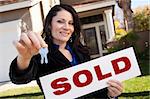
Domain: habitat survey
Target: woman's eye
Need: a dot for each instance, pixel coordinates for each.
(60, 21)
(71, 23)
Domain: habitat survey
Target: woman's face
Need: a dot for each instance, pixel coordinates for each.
(62, 27)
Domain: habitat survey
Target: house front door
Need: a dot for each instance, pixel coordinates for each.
(95, 38)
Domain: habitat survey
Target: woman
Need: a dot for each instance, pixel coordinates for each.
(61, 32)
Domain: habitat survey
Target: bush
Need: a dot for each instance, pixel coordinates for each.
(141, 19)
(125, 41)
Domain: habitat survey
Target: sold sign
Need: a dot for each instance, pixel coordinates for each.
(90, 76)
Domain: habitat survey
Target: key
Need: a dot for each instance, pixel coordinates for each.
(45, 55)
(43, 52)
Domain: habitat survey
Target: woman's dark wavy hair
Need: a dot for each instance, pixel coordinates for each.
(74, 41)
(76, 22)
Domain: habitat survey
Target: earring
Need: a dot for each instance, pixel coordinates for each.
(70, 40)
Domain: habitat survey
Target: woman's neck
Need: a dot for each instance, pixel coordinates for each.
(61, 45)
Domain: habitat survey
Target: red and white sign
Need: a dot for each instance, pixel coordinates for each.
(90, 76)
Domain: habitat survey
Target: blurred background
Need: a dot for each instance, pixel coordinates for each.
(108, 26)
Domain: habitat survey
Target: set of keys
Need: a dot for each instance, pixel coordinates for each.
(43, 52)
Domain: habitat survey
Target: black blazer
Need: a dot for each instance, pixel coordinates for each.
(57, 61)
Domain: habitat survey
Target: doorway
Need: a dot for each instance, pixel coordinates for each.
(95, 38)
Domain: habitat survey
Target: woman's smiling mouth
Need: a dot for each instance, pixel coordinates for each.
(65, 34)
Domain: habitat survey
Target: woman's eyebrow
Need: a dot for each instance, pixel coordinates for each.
(64, 19)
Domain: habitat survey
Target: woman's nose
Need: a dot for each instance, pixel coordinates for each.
(66, 26)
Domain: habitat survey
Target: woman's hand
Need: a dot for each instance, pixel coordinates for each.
(28, 46)
(115, 88)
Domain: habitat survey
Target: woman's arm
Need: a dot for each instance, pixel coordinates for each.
(23, 67)
(24, 76)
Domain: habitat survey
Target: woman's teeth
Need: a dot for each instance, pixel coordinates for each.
(64, 34)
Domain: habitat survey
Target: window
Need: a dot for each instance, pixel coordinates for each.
(91, 40)
(92, 19)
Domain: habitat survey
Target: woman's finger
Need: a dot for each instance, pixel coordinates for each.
(118, 85)
(117, 82)
(35, 41)
(42, 42)
(19, 46)
(24, 39)
(113, 92)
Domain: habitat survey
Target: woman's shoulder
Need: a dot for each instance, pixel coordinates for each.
(83, 53)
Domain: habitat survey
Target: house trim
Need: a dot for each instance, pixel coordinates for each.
(95, 5)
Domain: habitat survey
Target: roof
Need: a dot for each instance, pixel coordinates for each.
(6, 2)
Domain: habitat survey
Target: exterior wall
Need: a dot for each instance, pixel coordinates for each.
(9, 31)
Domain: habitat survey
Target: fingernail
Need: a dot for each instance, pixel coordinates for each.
(45, 45)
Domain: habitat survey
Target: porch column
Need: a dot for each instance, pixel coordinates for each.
(46, 7)
(110, 25)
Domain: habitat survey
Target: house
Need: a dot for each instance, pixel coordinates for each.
(96, 19)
